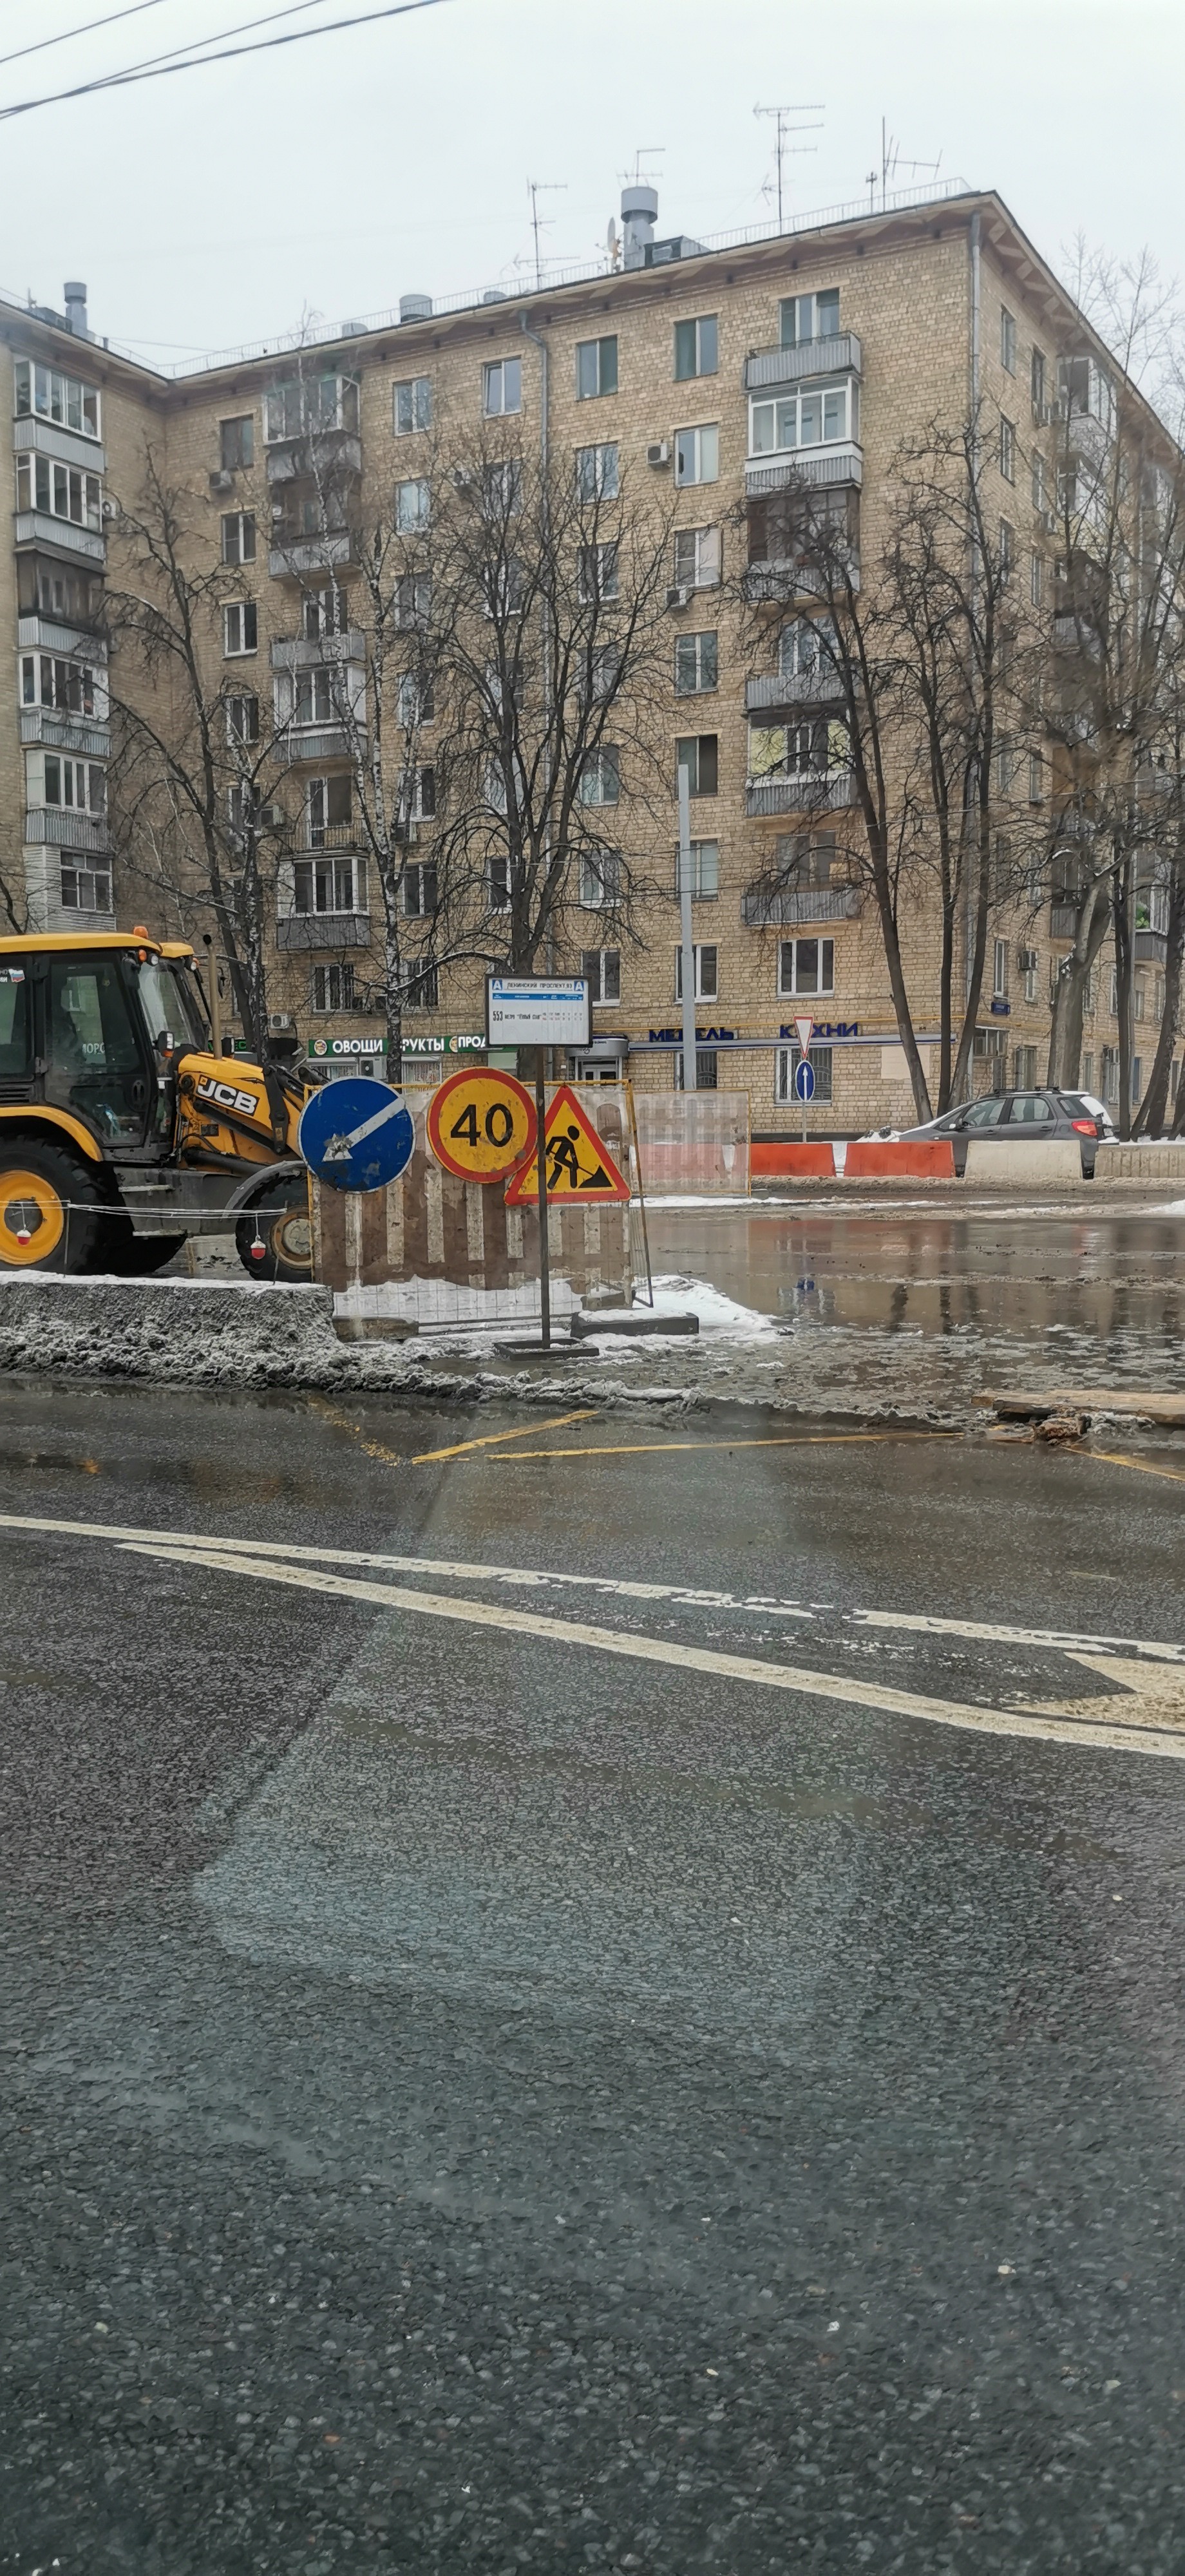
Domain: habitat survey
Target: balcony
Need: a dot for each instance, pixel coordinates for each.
(305, 930)
(784, 906)
(59, 536)
(842, 461)
(775, 696)
(1075, 634)
(329, 452)
(64, 829)
(305, 653)
(1150, 947)
(842, 355)
(801, 795)
(34, 436)
(293, 556)
(781, 579)
(313, 839)
(319, 743)
(79, 734)
(1063, 920)
(35, 633)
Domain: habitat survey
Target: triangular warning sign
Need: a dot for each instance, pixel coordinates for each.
(579, 1163)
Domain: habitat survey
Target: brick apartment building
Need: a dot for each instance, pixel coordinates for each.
(712, 373)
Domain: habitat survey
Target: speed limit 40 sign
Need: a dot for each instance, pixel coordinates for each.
(481, 1124)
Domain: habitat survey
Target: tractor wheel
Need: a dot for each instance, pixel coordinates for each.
(274, 1240)
(51, 1207)
(133, 1256)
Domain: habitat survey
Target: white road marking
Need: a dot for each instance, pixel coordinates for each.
(1082, 1640)
(1130, 1738)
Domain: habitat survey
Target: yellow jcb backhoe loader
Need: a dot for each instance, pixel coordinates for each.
(122, 1129)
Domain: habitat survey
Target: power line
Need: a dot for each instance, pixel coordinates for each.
(173, 53)
(69, 33)
(227, 53)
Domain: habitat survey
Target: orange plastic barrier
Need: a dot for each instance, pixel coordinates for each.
(786, 1161)
(918, 1158)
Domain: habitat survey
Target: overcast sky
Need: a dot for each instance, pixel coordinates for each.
(226, 205)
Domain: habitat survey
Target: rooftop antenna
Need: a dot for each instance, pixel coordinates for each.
(537, 188)
(641, 178)
(890, 163)
(809, 107)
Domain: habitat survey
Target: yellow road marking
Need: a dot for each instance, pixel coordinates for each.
(490, 1439)
(781, 1440)
(1143, 1466)
(850, 1690)
(342, 1422)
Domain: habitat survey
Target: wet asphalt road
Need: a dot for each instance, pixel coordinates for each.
(479, 2101)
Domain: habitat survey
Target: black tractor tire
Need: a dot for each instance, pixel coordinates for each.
(278, 1221)
(48, 1193)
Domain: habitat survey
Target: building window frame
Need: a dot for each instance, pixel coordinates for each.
(697, 347)
(411, 405)
(806, 966)
(596, 367)
(697, 455)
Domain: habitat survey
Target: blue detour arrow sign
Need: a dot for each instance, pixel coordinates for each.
(804, 1079)
(356, 1134)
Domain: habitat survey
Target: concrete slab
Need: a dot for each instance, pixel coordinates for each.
(1024, 1162)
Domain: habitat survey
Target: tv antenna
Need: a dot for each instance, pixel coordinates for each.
(808, 107)
(640, 178)
(537, 188)
(891, 162)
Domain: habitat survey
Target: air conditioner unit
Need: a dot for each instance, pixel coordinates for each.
(659, 453)
(222, 481)
(271, 817)
(677, 596)
(280, 1021)
(111, 509)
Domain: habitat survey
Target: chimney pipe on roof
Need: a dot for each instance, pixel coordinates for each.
(74, 293)
(639, 215)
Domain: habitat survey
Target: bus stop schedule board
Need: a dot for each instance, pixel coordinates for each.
(538, 1010)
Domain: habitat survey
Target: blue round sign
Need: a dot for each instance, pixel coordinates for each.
(356, 1134)
(804, 1080)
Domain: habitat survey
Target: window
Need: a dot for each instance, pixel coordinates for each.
(695, 348)
(596, 368)
(806, 647)
(498, 881)
(503, 585)
(57, 590)
(602, 969)
(1007, 340)
(604, 675)
(309, 697)
(596, 473)
(806, 966)
(417, 797)
(423, 989)
(1036, 580)
(41, 393)
(1037, 382)
(697, 455)
(236, 443)
(238, 537)
(239, 628)
(60, 491)
(707, 1069)
(1008, 450)
(813, 750)
(80, 785)
(1000, 970)
(1088, 1072)
(600, 878)
(48, 680)
(413, 405)
(242, 719)
(805, 860)
(598, 577)
(502, 483)
(819, 415)
(1024, 1068)
(699, 755)
(697, 558)
(414, 700)
(329, 885)
(333, 988)
(411, 507)
(786, 1062)
(85, 889)
(1140, 1000)
(324, 612)
(1109, 1077)
(1039, 483)
(311, 403)
(501, 387)
(695, 664)
(1036, 779)
(328, 811)
(707, 987)
(705, 871)
(420, 891)
(413, 600)
(1007, 549)
(1005, 773)
(808, 317)
(600, 780)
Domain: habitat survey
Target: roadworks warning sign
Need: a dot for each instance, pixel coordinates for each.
(579, 1164)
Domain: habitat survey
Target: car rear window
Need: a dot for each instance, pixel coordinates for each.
(1074, 1104)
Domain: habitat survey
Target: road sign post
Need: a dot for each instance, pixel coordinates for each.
(540, 1011)
(687, 944)
(804, 1088)
(544, 1245)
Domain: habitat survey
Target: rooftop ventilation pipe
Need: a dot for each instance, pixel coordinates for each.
(414, 308)
(74, 293)
(639, 215)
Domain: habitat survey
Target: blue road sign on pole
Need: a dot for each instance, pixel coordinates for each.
(804, 1080)
(356, 1134)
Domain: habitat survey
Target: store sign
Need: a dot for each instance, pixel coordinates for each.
(703, 1037)
(826, 1029)
(323, 1049)
(468, 1043)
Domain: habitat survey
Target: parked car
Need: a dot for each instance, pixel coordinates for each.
(1028, 1114)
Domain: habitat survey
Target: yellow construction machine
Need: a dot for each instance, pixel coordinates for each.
(123, 1126)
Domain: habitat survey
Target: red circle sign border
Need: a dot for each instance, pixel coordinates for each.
(467, 1074)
